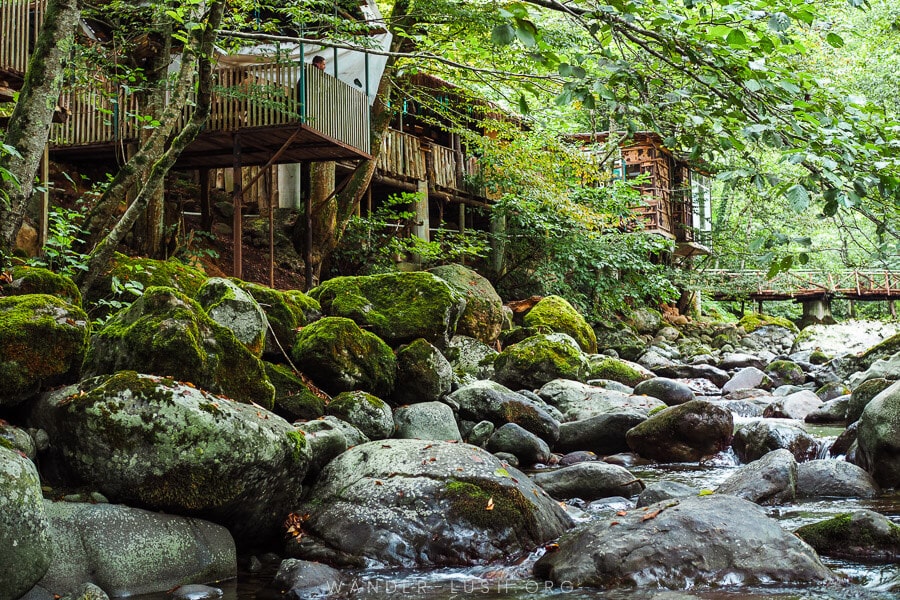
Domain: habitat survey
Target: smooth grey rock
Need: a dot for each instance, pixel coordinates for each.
(742, 408)
(770, 480)
(883, 368)
(832, 411)
(878, 437)
(713, 374)
(351, 433)
(741, 360)
(603, 433)
(747, 378)
(843, 442)
(364, 411)
(196, 592)
(677, 547)
(423, 374)
(578, 401)
(588, 481)
(863, 394)
(89, 591)
(233, 308)
(671, 392)
(325, 441)
(491, 401)
(793, 406)
(19, 439)
(480, 433)
(834, 478)
(301, 579)
(426, 421)
(862, 535)
(576, 457)
(683, 433)
(654, 360)
(609, 384)
(665, 490)
(754, 440)
(521, 443)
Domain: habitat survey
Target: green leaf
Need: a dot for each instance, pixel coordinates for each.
(523, 105)
(835, 40)
(526, 32)
(774, 269)
(798, 197)
(503, 35)
(736, 39)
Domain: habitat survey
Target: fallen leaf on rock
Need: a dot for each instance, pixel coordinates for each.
(651, 515)
(490, 504)
(621, 513)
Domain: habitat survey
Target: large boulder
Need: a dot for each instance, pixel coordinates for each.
(578, 401)
(878, 437)
(621, 339)
(341, 357)
(490, 401)
(603, 434)
(793, 406)
(616, 369)
(670, 391)
(27, 548)
(423, 374)
(756, 439)
(512, 439)
(127, 551)
(834, 478)
(747, 378)
(397, 307)
(665, 490)
(470, 357)
(145, 440)
(424, 503)
(863, 394)
(785, 372)
(676, 543)
(42, 343)
(555, 314)
(364, 411)
(846, 337)
(483, 317)
(770, 480)
(286, 312)
(426, 421)
(538, 359)
(588, 481)
(863, 535)
(166, 333)
(300, 579)
(684, 433)
(231, 307)
(294, 398)
(37, 280)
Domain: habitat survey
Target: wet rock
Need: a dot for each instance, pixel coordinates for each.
(89, 591)
(654, 360)
(196, 592)
(490, 401)
(423, 503)
(683, 433)
(668, 390)
(885, 368)
(843, 442)
(834, 478)
(588, 481)
(480, 433)
(364, 411)
(674, 548)
(325, 441)
(17, 439)
(747, 378)
(287, 311)
(862, 535)
(128, 551)
(793, 406)
(742, 408)
(482, 318)
(294, 398)
(665, 490)
(846, 337)
(878, 437)
(555, 314)
(522, 444)
(832, 391)
(740, 360)
(471, 357)
(233, 308)
(615, 369)
(351, 433)
(863, 394)
(755, 440)
(426, 421)
(713, 374)
(423, 374)
(603, 433)
(577, 457)
(539, 359)
(578, 401)
(832, 411)
(770, 480)
(301, 579)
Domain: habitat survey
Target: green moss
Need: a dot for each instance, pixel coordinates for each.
(886, 348)
(842, 535)
(817, 357)
(298, 444)
(37, 280)
(656, 409)
(161, 273)
(469, 500)
(785, 371)
(5, 443)
(293, 399)
(537, 360)
(554, 313)
(754, 321)
(523, 415)
(615, 370)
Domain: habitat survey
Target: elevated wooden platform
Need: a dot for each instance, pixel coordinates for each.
(804, 286)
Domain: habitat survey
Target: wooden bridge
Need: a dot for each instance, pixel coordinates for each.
(803, 285)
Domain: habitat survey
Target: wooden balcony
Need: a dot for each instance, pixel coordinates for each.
(20, 21)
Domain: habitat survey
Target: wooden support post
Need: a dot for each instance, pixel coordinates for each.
(422, 221)
(238, 203)
(271, 230)
(852, 303)
(307, 258)
(369, 201)
(44, 231)
(892, 309)
(205, 205)
(759, 306)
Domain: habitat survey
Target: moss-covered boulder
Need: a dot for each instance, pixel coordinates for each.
(158, 273)
(863, 394)
(397, 307)
(863, 535)
(540, 359)
(364, 411)
(423, 374)
(15, 438)
(880, 351)
(878, 436)
(23, 526)
(231, 307)
(166, 333)
(754, 321)
(491, 401)
(286, 311)
(555, 314)
(293, 397)
(616, 369)
(42, 343)
(483, 317)
(149, 441)
(37, 280)
(620, 338)
(420, 503)
(683, 433)
(470, 357)
(341, 357)
(785, 372)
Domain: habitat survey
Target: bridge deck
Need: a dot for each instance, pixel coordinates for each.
(804, 285)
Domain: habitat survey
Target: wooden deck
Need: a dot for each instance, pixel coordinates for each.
(804, 285)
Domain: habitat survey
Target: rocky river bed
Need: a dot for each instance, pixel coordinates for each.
(408, 434)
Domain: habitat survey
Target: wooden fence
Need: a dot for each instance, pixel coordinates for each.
(20, 21)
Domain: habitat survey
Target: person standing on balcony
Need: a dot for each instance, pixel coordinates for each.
(319, 62)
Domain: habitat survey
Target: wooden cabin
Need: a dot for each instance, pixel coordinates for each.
(676, 197)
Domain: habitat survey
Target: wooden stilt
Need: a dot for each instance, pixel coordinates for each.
(205, 205)
(238, 203)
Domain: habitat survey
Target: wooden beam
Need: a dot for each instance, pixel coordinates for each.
(287, 143)
(237, 200)
(205, 205)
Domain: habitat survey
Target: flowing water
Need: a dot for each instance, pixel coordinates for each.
(512, 581)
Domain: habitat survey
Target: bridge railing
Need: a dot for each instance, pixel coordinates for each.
(851, 283)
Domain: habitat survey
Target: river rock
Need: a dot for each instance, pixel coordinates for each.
(423, 374)
(846, 337)
(302, 579)
(755, 440)
(713, 374)
(863, 394)
(884, 349)
(539, 359)
(862, 535)
(166, 333)
(785, 372)
(793, 406)
(89, 591)
(878, 437)
(294, 398)
(621, 339)
(364, 411)
(654, 360)
(482, 318)
(741, 360)
(27, 280)
(396, 307)
(843, 442)
(832, 391)
(770, 480)
(342, 357)
(671, 392)
(426, 421)
(524, 445)
(471, 357)
(578, 401)
(128, 551)
(231, 307)
(42, 344)
(479, 433)
(834, 478)
(646, 320)
(423, 503)
(747, 378)
(884, 368)
(488, 400)
(27, 547)
(588, 481)
(577, 457)
(17, 439)
(616, 369)
(602, 434)
(147, 440)
(665, 490)
(555, 314)
(324, 441)
(674, 548)
(832, 411)
(287, 311)
(683, 433)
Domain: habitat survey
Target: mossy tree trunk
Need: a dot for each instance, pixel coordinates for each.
(29, 124)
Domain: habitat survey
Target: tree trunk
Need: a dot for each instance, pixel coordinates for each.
(29, 125)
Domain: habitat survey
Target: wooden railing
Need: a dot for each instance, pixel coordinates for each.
(856, 284)
(445, 167)
(263, 95)
(401, 155)
(20, 21)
